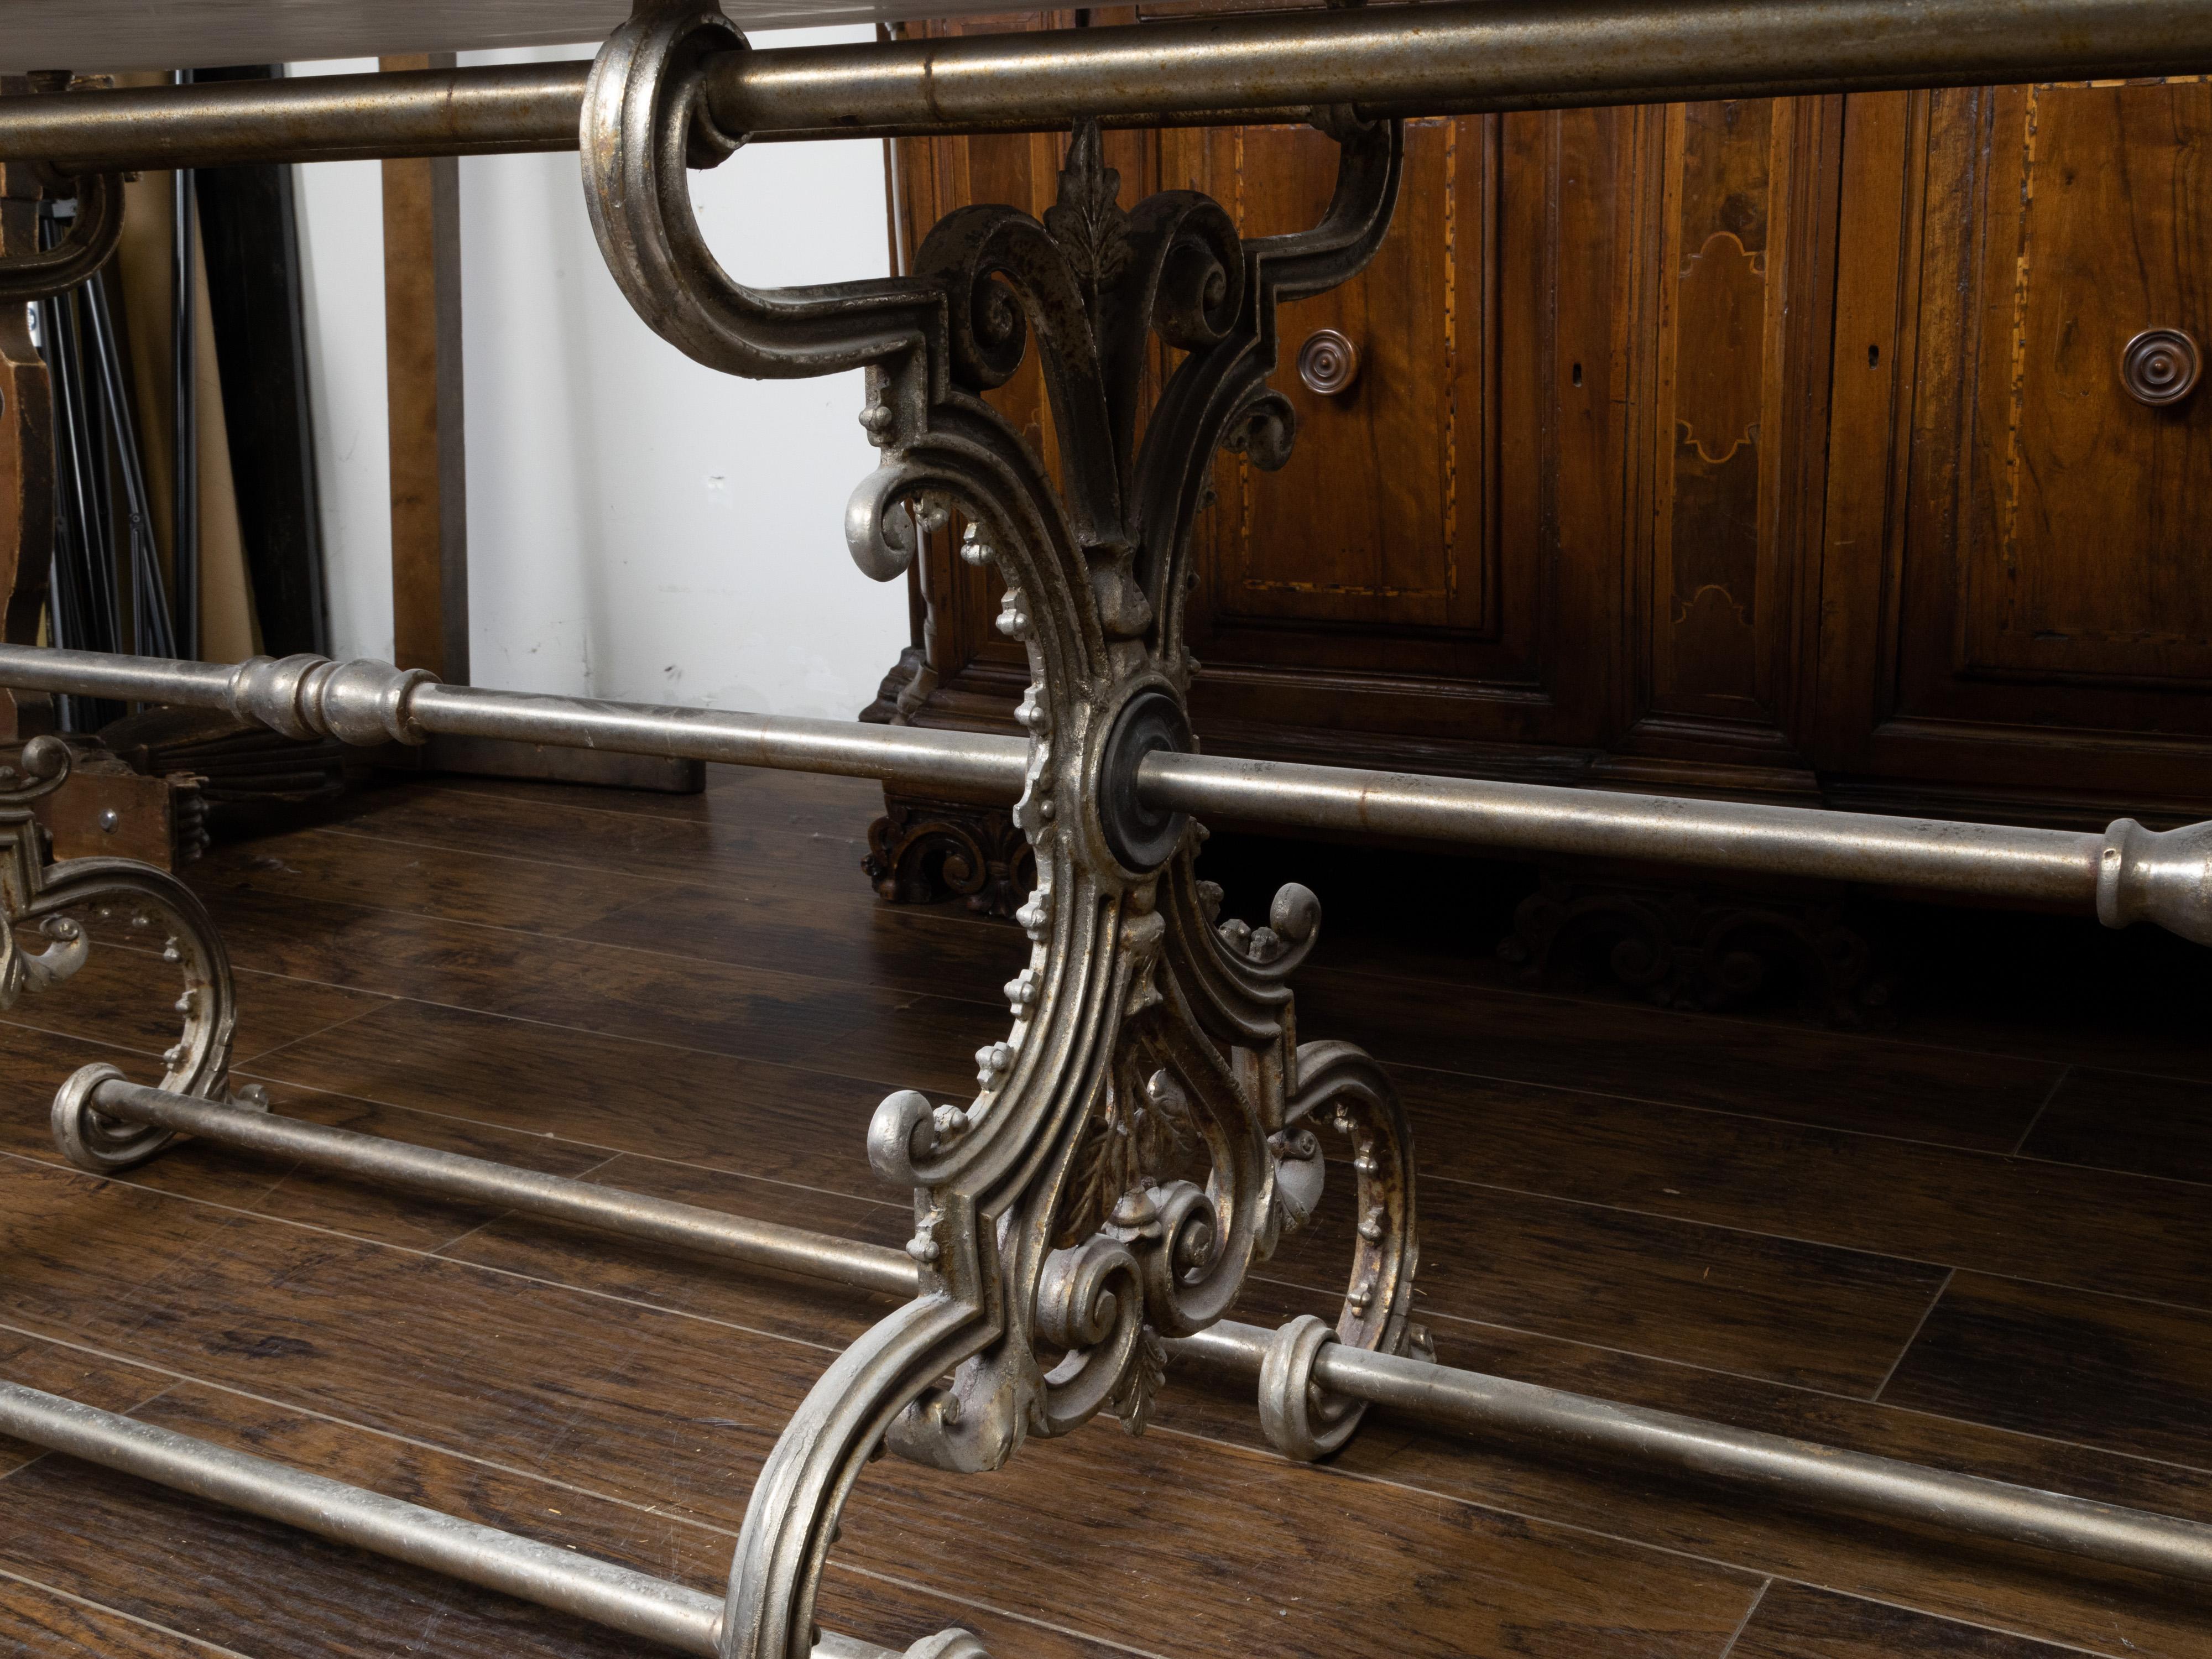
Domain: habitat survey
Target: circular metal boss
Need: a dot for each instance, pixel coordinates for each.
(2161, 366)
(1140, 836)
(1328, 363)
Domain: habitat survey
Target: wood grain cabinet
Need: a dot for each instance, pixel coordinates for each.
(1786, 450)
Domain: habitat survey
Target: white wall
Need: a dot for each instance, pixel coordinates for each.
(640, 527)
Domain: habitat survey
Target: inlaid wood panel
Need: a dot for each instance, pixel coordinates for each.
(2088, 507)
(1384, 516)
(1412, 572)
(1744, 193)
(2019, 595)
(1776, 449)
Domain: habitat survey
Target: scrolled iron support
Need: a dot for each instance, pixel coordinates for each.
(92, 238)
(59, 903)
(1144, 1132)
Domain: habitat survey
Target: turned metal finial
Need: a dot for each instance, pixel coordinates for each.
(2163, 876)
(360, 702)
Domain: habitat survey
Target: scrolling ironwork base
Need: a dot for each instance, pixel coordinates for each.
(1151, 1125)
(1147, 1128)
(59, 908)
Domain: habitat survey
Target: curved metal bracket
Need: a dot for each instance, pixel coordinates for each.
(62, 903)
(91, 242)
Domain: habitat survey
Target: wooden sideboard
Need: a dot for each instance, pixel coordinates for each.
(1773, 449)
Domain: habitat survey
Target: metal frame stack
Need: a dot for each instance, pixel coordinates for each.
(1137, 1002)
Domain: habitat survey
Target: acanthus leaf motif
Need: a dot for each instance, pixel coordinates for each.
(1088, 220)
(1132, 1403)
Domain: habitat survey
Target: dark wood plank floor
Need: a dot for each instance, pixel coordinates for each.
(1979, 1238)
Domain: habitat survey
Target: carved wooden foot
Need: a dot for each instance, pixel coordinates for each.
(920, 851)
(1696, 946)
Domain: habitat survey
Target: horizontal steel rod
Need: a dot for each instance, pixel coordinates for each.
(1443, 59)
(982, 763)
(2127, 874)
(2050, 865)
(489, 110)
(479, 1181)
(1798, 1472)
(652, 1609)
(1425, 60)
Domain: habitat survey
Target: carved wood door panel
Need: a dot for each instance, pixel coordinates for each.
(2023, 539)
(1741, 200)
(1434, 569)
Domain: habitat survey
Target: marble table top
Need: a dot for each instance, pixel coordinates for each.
(90, 36)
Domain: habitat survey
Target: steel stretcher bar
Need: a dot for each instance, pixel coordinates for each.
(631, 1602)
(2127, 874)
(477, 1179)
(635, 1603)
(1797, 1471)
(1802, 1473)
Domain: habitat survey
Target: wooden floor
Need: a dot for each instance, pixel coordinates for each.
(1980, 1238)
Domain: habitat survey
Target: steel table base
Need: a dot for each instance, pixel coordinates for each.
(1141, 1021)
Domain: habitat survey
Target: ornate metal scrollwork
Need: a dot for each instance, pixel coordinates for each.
(92, 239)
(1145, 1130)
(94, 233)
(54, 902)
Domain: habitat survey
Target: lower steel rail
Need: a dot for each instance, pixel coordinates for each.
(2125, 875)
(634, 1603)
(1799, 1472)
(451, 1174)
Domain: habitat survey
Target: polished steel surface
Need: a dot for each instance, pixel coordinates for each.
(1382, 60)
(1798, 1472)
(1058, 1248)
(1058, 1239)
(371, 702)
(1438, 59)
(2056, 866)
(2126, 875)
(102, 1090)
(325, 118)
(631, 1602)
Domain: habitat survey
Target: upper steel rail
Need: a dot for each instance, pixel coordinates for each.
(1384, 61)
